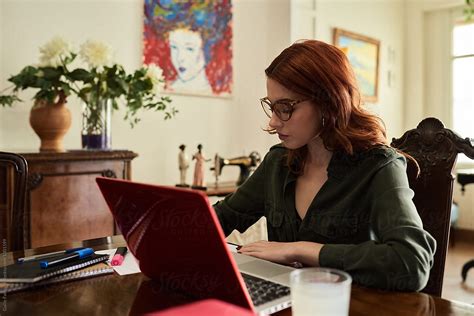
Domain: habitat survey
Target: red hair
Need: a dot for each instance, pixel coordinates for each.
(157, 51)
(322, 72)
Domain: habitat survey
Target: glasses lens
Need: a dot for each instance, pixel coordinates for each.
(283, 110)
(267, 107)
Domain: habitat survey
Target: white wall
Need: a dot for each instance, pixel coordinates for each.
(229, 126)
(417, 32)
(1, 45)
(413, 99)
(382, 20)
(303, 19)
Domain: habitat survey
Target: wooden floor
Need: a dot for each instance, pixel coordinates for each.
(453, 288)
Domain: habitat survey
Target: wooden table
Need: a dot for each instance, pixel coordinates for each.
(135, 294)
(221, 188)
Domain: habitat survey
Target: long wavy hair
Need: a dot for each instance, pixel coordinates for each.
(322, 73)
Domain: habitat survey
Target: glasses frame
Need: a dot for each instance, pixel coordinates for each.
(264, 102)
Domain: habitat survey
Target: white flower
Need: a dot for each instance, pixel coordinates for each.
(155, 74)
(96, 54)
(53, 53)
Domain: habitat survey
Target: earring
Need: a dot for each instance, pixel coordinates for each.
(323, 122)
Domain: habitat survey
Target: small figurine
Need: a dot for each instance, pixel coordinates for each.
(183, 162)
(198, 182)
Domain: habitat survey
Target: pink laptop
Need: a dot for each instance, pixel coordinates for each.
(177, 238)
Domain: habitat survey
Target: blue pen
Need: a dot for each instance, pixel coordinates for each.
(79, 254)
(47, 255)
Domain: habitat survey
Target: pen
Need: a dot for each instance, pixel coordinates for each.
(119, 255)
(231, 243)
(78, 254)
(47, 255)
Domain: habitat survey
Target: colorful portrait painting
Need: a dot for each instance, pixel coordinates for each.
(191, 41)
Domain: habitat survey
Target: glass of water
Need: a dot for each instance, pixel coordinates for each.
(320, 291)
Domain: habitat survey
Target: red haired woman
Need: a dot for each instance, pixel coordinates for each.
(333, 192)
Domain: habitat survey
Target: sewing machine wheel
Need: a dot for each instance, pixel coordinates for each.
(255, 156)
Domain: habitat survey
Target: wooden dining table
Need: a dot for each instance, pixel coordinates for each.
(135, 294)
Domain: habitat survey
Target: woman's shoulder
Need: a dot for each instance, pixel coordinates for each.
(278, 148)
(275, 154)
(380, 157)
(379, 152)
(383, 152)
(370, 159)
(373, 157)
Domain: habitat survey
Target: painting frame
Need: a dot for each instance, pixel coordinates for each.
(363, 53)
(191, 42)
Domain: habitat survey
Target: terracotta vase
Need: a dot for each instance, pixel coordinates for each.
(51, 122)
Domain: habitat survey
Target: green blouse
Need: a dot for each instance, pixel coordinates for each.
(363, 214)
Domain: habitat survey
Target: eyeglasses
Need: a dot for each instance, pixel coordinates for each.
(282, 108)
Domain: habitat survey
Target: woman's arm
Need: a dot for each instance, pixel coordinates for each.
(244, 207)
(304, 252)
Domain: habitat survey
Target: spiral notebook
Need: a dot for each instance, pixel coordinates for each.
(87, 272)
(31, 272)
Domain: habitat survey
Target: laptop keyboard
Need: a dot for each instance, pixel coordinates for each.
(263, 291)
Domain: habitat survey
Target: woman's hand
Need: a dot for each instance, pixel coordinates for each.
(287, 253)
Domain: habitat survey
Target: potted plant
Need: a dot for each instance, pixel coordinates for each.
(49, 118)
(101, 86)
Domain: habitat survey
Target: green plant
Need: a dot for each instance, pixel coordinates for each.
(51, 77)
(469, 10)
(100, 81)
(138, 90)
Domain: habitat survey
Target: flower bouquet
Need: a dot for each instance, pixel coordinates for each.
(52, 80)
(101, 86)
(50, 77)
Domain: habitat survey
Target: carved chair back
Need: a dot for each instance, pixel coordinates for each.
(14, 221)
(435, 149)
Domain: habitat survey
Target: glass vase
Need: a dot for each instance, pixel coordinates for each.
(96, 124)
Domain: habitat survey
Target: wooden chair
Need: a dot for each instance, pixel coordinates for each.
(13, 218)
(435, 148)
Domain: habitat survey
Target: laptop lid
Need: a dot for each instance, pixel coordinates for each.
(176, 236)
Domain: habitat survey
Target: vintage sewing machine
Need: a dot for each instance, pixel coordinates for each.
(246, 164)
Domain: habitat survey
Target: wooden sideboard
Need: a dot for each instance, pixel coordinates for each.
(64, 203)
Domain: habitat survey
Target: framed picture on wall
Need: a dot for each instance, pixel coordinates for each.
(363, 54)
(191, 41)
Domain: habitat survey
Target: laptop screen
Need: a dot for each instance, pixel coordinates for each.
(175, 235)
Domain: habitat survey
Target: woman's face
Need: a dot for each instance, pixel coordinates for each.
(186, 53)
(305, 122)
